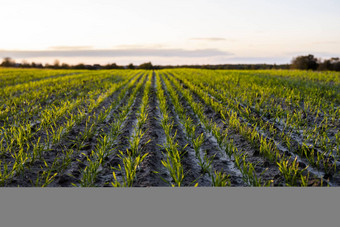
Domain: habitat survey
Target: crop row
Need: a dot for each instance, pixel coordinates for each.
(176, 127)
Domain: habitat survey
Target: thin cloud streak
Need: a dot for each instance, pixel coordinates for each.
(139, 46)
(256, 60)
(326, 42)
(315, 53)
(115, 53)
(70, 47)
(212, 39)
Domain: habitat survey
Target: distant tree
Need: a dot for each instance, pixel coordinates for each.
(305, 62)
(56, 64)
(8, 62)
(48, 66)
(335, 64)
(80, 66)
(112, 66)
(147, 65)
(39, 65)
(253, 67)
(131, 66)
(330, 64)
(65, 66)
(25, 64)
(325, 65)
(96, 66)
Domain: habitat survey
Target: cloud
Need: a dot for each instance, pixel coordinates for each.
(140, 46)
(211, 39)
(138, 52)
(325, 42)
(315, 53)
(256, 60)
(70, 47)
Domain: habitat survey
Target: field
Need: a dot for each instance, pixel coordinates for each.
(169, 127)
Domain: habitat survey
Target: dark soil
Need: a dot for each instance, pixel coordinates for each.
(151, 171)
(71, 174)
(265, 169)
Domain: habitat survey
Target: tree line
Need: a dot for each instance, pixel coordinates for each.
(308, 62)
(8, 62)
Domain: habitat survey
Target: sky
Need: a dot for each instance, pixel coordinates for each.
(166, 32)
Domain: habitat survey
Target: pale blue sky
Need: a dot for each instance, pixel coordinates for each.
(168, 32)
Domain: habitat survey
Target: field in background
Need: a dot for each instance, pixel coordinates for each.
(170, 127)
